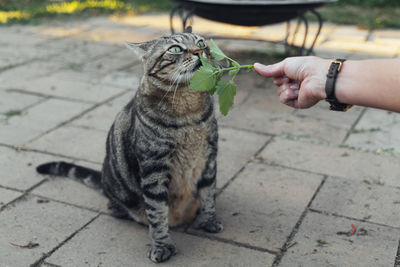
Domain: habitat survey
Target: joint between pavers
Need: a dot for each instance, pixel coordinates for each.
(351, 218)
(77, 116)
(289, 239)
(69, 204)
(232, 242)
(397, 258)
(39, 262)
(22, 91)
(33, 150)
(24, 194)
(246, 130)
(220, 191)
(353, 126)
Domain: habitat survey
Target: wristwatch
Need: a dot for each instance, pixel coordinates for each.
(334, 69)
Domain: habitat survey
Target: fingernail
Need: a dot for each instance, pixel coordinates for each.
(294, 86)
(296, 92)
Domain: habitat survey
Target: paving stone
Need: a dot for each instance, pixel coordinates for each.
(112, 62)
(103, 116)
(322, 113)
(318, 244)
(377, 130)
(348, 34)
(87, 144)
(367, 200)
(47, 224)
(235, 149)
(16, 35)
(137, 32)
(18, 168)
(8, 97)
(263, 204)
(10, 77)
(262, 112)
(335, 161)
(366, 47)
(74, 53)
(58, 31)
(69, 191)
(18, 130)
(7, 196)
(57, 85)
(111, 242)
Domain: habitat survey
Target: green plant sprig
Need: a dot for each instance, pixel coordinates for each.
(208, 77)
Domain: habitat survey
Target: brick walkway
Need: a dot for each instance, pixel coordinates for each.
(291, 181)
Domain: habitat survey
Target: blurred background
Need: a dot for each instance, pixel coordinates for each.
(369, 14)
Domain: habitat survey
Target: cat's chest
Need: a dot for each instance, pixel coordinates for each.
(189, 157)
(191, 147)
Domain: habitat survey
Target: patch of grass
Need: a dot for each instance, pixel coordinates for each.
(33, 11)
(368, 17)
(13, 112)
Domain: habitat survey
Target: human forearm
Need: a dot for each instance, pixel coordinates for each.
(372, 83)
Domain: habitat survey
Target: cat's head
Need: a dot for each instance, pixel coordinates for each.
(172, 59)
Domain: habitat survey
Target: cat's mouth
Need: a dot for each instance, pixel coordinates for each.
(197, 66)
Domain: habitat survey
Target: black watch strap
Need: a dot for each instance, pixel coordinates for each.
(334, 69)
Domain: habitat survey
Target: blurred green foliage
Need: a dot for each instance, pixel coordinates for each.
(370, 3)
(32, 11)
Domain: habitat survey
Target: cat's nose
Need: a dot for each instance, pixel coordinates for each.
(197, 52)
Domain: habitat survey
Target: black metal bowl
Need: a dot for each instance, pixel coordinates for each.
(247, 14)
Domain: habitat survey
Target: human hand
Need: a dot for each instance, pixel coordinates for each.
(301, 80)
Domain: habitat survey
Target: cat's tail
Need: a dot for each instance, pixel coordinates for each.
(89, 177)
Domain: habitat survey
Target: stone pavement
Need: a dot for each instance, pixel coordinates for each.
(291, 182)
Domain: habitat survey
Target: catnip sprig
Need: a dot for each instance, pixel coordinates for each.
(208, 77)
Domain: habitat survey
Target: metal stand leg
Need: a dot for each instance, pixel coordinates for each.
(290, 48)
(320, 22)
(185, 15)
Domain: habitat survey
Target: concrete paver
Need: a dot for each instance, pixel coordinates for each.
(377, 130)
(86, 144)
(263, 204)
(7, 102)
(47, 224)
(7, 196)
(111, 242)
(318, 244)
(18, 130)
(235, 149)
(56, 85)
(335, 161)
(18, 168)
(367, 200)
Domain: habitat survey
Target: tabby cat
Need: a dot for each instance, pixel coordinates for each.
(160, 162)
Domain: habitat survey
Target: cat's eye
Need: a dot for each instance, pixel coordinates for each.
(175, 49)
(201, 44)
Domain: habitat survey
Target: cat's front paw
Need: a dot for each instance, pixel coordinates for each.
(212, 225)
(161, 252)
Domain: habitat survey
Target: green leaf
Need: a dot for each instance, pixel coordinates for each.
(204, 79)
(212, 91)
(216, 52)
(226, 92)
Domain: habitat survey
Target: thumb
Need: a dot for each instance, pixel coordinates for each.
(275, 70)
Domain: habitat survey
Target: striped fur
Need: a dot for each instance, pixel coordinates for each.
(160, 163)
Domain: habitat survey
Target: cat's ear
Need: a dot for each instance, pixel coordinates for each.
(140, 49)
